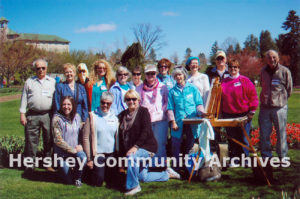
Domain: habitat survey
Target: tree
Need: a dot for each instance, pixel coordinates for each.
(188, 53)
(230, 50)
(229, 42)
(237, 48)
(266, 42)
(149, 37)
(251, 43)
(174, 58)
(16, 56)
(115, 57)
(203, 61)
(289, 44)
(152, 55)
(133, 56)
(214, 49)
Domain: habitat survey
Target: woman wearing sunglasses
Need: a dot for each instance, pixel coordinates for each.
(239, 98)
(136, 77)
(102, 77)
(154, 96)
(164, 66)
(136, 141)
(99, 134)
(119, 89)
(71, 88)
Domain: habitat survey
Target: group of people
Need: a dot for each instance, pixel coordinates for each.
(105, 113)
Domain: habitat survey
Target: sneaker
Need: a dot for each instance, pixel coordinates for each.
(173, 174)
(133, 191)
(78, 183)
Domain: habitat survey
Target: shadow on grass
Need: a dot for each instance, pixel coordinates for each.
(43, 176)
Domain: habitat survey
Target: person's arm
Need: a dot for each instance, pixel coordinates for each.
(57, 137)
(84, 104)
(86, 138)
(165, 93)
(57, 97)
(289, 86)
(146, 129)
(23, 106)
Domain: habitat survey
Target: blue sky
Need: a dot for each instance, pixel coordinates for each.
(107, 24)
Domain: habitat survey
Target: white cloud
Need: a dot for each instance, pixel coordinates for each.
(170, 14)
(98, 28)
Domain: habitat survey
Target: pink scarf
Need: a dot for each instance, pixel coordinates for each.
(152, 88)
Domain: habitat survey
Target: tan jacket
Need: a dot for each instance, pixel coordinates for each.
(276, 87)
(89, 137)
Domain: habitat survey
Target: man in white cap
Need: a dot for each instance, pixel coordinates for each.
(221, 69)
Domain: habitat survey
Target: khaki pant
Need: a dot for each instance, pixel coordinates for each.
(32, 134)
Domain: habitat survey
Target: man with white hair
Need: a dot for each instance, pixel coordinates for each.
(36, 105)
(276, 83)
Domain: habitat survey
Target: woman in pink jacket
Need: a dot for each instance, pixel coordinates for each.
(239, 98)
(154, 96)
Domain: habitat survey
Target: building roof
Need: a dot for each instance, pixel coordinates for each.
(3, 19)
(41, 37)
(11, 32)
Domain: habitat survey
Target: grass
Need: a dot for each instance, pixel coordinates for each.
(8, 94)
(235, 183)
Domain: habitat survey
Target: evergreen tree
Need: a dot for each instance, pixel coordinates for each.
(133, 56)
(289, 44)
(188, 53)
(214, 49)
(251, 43)
(266, 42)
(230, 50)
(237, 48)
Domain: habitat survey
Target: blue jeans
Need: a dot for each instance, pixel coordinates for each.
(176, 144)
(160, 131)
(278, 117)
(136, 171)
(65, 171)
(236, 150)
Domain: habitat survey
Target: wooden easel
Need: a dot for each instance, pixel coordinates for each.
(213, 109)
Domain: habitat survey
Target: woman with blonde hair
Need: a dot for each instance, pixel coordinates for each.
(101, 79)
(72, 88)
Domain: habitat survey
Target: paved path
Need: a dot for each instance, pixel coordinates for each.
(10, 98)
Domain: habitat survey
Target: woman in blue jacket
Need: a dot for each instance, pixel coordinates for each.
(71, 88)
(184, 101)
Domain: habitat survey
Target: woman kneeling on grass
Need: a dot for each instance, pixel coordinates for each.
(136, 141)
(66, 128)
(99, 140)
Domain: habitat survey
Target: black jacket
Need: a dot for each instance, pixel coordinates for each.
(213, 73)
(139, 134)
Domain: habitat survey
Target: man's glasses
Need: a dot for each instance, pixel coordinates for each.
(136, 74)
(106, 103)
(123, 74)
(130, 99)
(219, 58)
(40, 68)
(150, 73)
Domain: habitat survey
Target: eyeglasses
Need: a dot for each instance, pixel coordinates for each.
(106, 103)
(163, 66)
(233, 66)
(151, 73)
(39, 68)
(81, 71)
(219, 58)
(131, 99)
(136, 74)
(124, 74)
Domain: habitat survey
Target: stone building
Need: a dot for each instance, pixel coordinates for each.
(42, 41)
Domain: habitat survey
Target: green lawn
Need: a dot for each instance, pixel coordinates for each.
(7, 94)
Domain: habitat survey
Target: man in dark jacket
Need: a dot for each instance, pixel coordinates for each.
(220, 70)
(276, 83)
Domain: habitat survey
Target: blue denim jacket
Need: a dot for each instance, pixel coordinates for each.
(63, 89)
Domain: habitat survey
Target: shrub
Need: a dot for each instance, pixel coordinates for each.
(13, 145)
